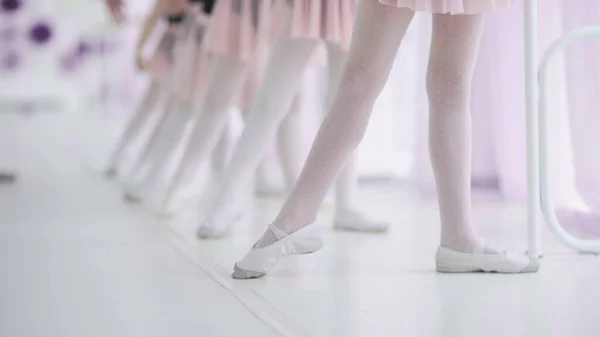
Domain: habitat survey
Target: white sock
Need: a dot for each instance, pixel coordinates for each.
(133, 128)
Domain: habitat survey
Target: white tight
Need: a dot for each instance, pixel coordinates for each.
(290, 140)
(142, 114)
(162, 143)
(222, 151)
(287, 63)
(149, 151)
(453, 52)
(226, 82)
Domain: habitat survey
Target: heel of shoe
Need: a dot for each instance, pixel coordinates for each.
(308, 242)
(445, 262)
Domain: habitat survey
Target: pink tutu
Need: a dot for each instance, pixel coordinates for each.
(450, 6)
(329, 20)
(160, 66)
(238, 27)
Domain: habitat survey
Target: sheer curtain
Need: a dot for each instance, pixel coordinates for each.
(498, 110)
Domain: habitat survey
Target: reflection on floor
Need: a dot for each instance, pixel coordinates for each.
(77, 262)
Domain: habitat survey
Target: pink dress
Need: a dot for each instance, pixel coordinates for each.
(240, 27)
(450, 6)
(328, 20)
(244, 30)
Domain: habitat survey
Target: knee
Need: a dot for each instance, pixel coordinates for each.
(360, 87)
(448, 86)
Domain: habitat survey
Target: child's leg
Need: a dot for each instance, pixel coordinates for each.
(220, 155)
(290, 141)
(286, 65)
(224, 87)
(160, 129)
(347, 214)
(132, 130)
(167, 141)
(370, 59)
(452, 60)
(267, 184)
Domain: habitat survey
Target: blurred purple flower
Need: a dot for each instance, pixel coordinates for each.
(8, 34)
(10, 6)
(40, 33)
(10, 61)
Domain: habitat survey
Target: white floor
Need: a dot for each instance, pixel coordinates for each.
(78, 262)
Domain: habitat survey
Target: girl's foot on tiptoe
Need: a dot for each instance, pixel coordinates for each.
(224, 216)
(261, 259)
(217, 225)
(483, 258)
(353, 220)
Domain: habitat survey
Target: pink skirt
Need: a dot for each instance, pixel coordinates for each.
(328, 20)
(238, 27)
(450, 6)
(160, 65)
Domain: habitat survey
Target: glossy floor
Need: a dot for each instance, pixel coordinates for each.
(78, 262)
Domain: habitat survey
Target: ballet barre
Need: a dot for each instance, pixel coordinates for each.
(539, 187)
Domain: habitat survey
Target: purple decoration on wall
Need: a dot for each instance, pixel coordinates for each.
(40, 33)
(8, 35)
(68, 63)
(10, 61)
(10, 6)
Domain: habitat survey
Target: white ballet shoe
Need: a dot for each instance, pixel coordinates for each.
(452, 261)
(226, 214)
(7, 177)
(110, 173)
(356, 222)
(218, 229)
(134, 194)
(260, 261)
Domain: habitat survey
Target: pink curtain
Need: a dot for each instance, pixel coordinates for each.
(498, 110)
(583, 87)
